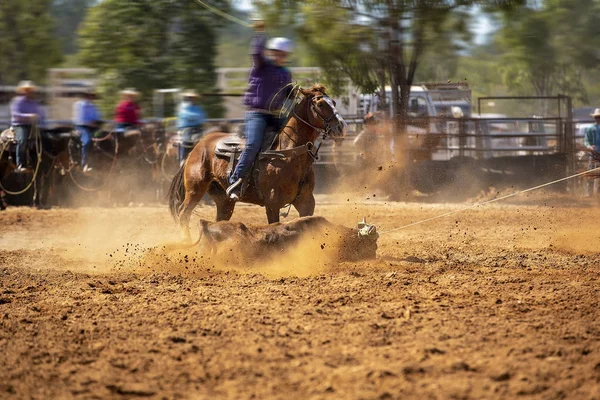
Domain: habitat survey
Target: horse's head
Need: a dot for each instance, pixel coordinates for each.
(322, 113)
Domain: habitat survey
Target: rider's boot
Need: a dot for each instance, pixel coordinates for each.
(234, 190)
(21, 169)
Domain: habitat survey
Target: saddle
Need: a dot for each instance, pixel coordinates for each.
(8, 135)
(131, 133)
(231, 146)
(57, 135)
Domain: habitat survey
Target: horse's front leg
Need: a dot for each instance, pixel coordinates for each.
(272, 214)
(305, 203)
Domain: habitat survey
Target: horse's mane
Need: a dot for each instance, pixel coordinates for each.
(317, 87)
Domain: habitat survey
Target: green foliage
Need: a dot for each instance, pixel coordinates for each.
(27, 45)
(68, 15)
(373, 43)
(151, 45)
(548, 47)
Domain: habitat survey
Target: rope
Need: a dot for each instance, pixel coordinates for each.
(223, 14)
(39, 151)
(295, 90)
(103, 138)
(112, 166)
(490, 201)
(162, 167)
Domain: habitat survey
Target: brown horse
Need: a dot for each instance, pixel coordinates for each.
(285, 176)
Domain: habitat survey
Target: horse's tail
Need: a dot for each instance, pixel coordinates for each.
(176, 193)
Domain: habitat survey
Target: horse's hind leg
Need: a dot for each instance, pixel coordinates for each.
(192, 198)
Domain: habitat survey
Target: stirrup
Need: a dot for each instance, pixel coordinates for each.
(231, 191)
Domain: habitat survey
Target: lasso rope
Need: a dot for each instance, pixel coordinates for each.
(39, 152)
(490, 201)
(110, 172)
(223, 14)
(290, 107)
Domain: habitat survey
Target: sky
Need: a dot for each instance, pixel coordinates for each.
(482, 26)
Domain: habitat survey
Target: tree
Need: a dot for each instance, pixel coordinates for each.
(68, 15)
(549, 45)
(377, 42)
(27, 44)
(150, 45)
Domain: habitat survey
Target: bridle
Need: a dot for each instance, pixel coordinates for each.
(312, 107)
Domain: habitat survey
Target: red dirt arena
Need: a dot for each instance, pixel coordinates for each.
(499, 301)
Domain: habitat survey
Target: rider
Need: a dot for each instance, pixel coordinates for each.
(269, 84)
(86, 119)
(25, 111)
(127, 112)
(592, 143)
(190, 118)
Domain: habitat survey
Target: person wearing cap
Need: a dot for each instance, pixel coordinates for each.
(86, 119)
(190, 118)
(127, 112)
(25, 112)
(269, 85)
(592, 142)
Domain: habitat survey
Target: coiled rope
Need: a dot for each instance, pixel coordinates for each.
(35, 131)
(110, 172)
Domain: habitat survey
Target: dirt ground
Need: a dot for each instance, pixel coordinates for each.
(497, 302)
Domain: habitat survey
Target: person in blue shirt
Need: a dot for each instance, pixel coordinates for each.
(190, 118)
(592, 143)
(86, 119)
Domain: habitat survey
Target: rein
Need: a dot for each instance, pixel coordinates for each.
(309, 147)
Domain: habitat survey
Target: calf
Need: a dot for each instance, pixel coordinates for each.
(265, 240)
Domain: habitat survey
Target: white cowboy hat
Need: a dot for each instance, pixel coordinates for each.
(130, 91)
(190, 93)
(25, 85)
(596, 113)
(280, 44)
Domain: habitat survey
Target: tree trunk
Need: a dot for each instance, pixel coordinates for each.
(382, 83)
(396, 131)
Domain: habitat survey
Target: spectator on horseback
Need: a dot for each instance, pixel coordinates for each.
(25, 113)
(87, 120)
(269, 84)
(190, 118)
(127, 112)
(592, 143)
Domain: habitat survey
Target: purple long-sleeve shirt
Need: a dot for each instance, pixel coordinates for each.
(266, 79)
(20, 106)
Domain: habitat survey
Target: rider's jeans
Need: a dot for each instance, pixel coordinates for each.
(589, 182)
(186, 142)
(256, 122)
(86, 133)
(22, 133)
